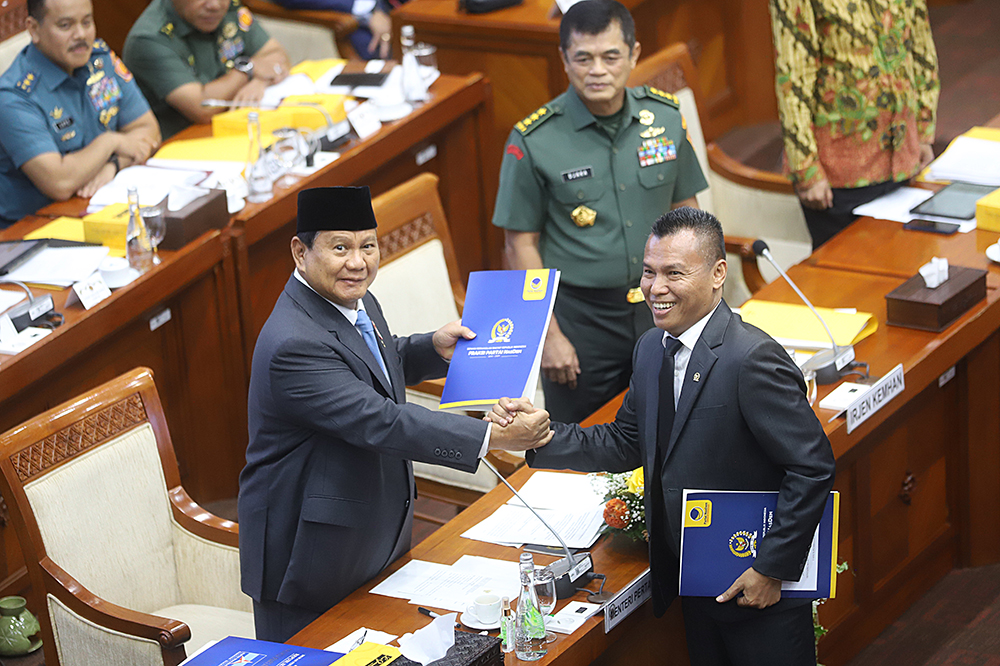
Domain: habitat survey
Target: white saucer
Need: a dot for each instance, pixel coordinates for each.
(393, 112)
(235, 204)
(993, 252)
(472, 622)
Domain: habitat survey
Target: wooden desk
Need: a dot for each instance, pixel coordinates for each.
(638, 640)
(455, 123)
(196, 357)
(516, 47)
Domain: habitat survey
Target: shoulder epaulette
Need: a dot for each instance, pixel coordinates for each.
(27, 82)
(101, 45)
(168, 29)
(665, 97)
(534, 120)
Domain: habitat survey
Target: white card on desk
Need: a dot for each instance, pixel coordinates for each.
(364, 120)
(571, 618)
(8, 333)
(23, 340)
(89, 292)
(841, 397)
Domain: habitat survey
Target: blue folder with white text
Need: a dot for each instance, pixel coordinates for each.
(509, 311)
(719, 537)
(231, 651)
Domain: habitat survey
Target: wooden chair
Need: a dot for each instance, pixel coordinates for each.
(749, 202)
(125, 568)
(342, 25)
(420, 289)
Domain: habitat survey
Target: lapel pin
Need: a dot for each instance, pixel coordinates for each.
(697, 376)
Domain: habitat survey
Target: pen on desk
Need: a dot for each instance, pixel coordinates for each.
(429, 613)
(357, 643)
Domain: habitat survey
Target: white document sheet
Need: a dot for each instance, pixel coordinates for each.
(515, 524)
(404, 582)
(896, 206)
(558, 490)
(296, 84)
(454, 590)
(969, 160)
(9, 299)
(810, 573)
(153, 184)
(60, 266)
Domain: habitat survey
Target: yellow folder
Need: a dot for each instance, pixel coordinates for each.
(212, 149)
(369, 654)
(314, 69)
(72, 228)
(797, 327)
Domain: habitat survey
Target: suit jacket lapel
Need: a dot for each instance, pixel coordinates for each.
(653, 362)
(702, 359)
(332, 320)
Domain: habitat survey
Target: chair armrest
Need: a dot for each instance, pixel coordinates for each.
(430, 387)
(170, 634)
(200, 522)
(728, 168)
(742, 246)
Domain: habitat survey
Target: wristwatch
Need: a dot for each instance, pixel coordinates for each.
(114, 160)
(245, 65)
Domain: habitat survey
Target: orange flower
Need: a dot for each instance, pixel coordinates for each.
(616, 513)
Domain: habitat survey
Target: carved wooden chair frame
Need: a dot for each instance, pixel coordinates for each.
(52, 439)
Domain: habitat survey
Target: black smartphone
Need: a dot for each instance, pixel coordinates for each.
(931, 225)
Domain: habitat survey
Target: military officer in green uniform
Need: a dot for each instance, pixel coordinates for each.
(582, 180)
(185, 51)
(70, 114)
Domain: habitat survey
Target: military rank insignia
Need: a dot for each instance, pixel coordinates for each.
(583, 216)
(27, 83)
(664, 96)
(230, 48)
(120, 69)
(656, 151)
(245, 18)
(526, 125)
(103, 92)
(168, 29)
(646, 117)
(651, 132)
(229, 30)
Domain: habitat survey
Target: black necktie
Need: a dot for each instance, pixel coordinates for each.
(665, 420)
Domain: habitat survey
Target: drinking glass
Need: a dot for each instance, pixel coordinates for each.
(156, 225)
(545, 590)
(289, 151)
(811, 388)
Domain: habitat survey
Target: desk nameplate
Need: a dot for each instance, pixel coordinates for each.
(623, 604)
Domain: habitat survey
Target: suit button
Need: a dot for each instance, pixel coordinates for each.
(406, 504)
(451, 453)
(437, 451)
(458, 455)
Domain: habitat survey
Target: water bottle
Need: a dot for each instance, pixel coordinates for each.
(260, 188)
(414, 88)
(138, 247)
(506, 626)
(529, 627)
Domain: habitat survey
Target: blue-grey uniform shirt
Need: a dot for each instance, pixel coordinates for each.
(45, 110)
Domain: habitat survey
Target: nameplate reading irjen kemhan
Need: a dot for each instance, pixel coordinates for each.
(623, 604)
(887, 388)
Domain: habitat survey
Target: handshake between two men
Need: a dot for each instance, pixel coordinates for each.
(518, 425)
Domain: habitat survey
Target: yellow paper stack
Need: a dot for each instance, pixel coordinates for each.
(104, 227)
(988, 212)
(796, 326)
(234, 122)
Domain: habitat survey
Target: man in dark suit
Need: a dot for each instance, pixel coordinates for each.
(715, 404)
(326, 496)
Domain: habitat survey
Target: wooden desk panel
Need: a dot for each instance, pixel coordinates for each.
(640, 639)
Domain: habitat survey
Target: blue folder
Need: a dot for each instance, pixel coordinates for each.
(233, 651)
(719, 537)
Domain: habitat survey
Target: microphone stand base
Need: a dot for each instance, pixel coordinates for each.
(830, 365)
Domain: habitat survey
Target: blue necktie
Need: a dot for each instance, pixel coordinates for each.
(367, 329)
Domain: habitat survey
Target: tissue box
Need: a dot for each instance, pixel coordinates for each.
(202, 214)
(988, 212)
(469, 650)
(107, 226)
(913, 305)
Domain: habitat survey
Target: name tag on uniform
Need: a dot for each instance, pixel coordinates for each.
(577, 174)
(656, 151)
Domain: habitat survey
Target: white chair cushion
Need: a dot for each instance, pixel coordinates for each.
(117, 542)
(209, 623)
(10, 47)
(301, 41)
(689, 109)
(208, 572)
(415, 290)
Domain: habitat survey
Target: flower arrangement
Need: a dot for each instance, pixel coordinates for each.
(623, 508)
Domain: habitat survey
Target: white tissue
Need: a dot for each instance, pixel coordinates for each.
(182, 195)
(430, 643)
(934, 272)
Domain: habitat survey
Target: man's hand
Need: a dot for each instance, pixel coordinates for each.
(136, 148)
(252, 91)
(816, 197)
(269, 68)
(447, 336)
(926, 155)
(559, 361)
(103, 177)
(528, 428)
(759, 591)
(505, 411)
(380, 25)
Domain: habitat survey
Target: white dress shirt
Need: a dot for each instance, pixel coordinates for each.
(688, 340)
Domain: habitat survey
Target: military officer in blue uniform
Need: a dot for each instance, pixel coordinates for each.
(70, 114)
(186, 51)
(582, 180)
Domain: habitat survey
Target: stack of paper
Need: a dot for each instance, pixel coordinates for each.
(972, 158)
(795, 326)
(60, 266)
(152, 183)
(451, 587)
(896, 207)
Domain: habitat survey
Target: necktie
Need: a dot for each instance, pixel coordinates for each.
(666, 408)
(367, 329)
(659, 532)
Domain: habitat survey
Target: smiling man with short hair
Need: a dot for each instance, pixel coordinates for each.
(70, 114)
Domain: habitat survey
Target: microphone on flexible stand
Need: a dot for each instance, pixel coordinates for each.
(565, 571)
(828, 364)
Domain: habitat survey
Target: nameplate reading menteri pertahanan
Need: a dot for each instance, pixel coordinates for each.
(623, 604)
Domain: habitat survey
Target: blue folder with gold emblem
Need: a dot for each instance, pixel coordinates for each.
(509, 311)
(719, 537)
(233, 651)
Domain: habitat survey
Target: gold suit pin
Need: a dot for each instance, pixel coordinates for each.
(697, 376)
(583, 216)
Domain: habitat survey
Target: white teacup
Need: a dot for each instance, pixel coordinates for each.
(486, 609)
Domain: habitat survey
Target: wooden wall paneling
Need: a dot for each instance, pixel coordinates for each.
(979, 381)
(12, 16)
(114, 18)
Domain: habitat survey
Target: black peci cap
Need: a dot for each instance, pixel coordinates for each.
(335, 209)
